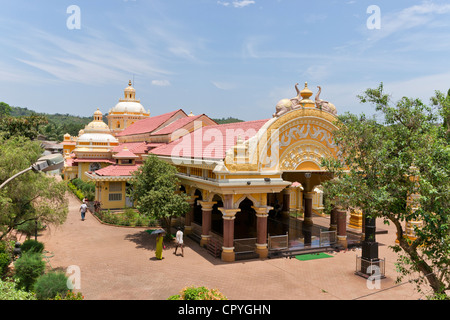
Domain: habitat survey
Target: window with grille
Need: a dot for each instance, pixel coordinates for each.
(115, 191)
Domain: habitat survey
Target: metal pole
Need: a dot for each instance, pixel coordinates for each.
(14, 176)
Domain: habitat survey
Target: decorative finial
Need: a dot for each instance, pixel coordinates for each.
(129, 83)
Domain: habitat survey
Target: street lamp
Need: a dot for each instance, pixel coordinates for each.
(44, 164)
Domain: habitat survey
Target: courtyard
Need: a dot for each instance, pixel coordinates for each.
(118, 263)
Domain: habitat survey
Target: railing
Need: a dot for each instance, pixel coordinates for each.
(278, 242)
(327, 238)
(245, 245)
(373, 268)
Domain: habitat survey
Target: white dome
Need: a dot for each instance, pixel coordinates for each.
(97, 137)
(128, 106)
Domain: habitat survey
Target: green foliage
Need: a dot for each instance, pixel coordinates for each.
(383, 163)
(22, 126)
(5, 109)
(153, 187)
(78, 193)
(9, 291)
(69, 295)
(28, 228)
(31, 195)
(198, 293)
(51, 284)
(31, 245)
(5, 260)
(227, 120)
(127, 218)
(83, 188)
(57, 125)
(28, 268)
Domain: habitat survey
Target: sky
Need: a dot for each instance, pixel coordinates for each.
(227, 58)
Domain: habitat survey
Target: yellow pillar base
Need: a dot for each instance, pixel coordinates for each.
(228, 254)
(262, 251)
(187, 230)
(342, 240)
(204, 241)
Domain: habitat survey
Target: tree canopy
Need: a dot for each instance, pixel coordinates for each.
(154, 188)
(398, 169)
(30, 196)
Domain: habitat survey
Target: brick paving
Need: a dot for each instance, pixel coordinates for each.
(118, 263)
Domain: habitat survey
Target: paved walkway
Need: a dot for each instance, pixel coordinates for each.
(118, 263)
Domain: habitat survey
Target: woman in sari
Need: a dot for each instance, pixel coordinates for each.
(159, 246)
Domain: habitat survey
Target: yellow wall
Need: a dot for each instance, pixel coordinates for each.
(104, 188)
(85, 167)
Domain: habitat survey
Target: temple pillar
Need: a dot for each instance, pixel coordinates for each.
(261, 231)
(189, 218)
(286, 203)
(342, 227)
(207, 208)
(333, 220)
(308, 199)
(229, 215)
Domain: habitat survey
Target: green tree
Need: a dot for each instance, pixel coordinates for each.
(5, 109)
(154, 187)
(383, 163)
(30, 196)
(27, 126)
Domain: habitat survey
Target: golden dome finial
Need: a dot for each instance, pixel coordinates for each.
(306, 93)
(129, 83)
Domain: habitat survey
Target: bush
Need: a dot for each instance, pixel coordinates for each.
(82, 188)
(70, 295)
(32, 246)
(198, 293)
(51, 284)
(9, 291)
(5, 260)
(28, 268)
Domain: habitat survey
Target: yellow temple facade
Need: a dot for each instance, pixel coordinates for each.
(241, 177)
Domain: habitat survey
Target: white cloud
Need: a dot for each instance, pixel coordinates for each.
(408, 18)
(223, 85)
(161, 83)
(236, 3)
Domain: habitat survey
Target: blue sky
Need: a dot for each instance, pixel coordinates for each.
(223, 58)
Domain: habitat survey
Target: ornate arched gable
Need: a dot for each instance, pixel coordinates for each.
(297, 141)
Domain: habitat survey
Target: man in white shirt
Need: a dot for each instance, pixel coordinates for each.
(83, 209)
(179, 240)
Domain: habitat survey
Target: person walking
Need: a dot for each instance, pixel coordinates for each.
(159, 246)
(83, 209)
(179, 244)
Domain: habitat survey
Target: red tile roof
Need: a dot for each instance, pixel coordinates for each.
(174, 126)
(117, 170)
(210, 142)
(149, 124)
(125, 154)
(135, 147)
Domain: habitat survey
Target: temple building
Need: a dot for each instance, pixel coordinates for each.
(126, 112)
(248, 182)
